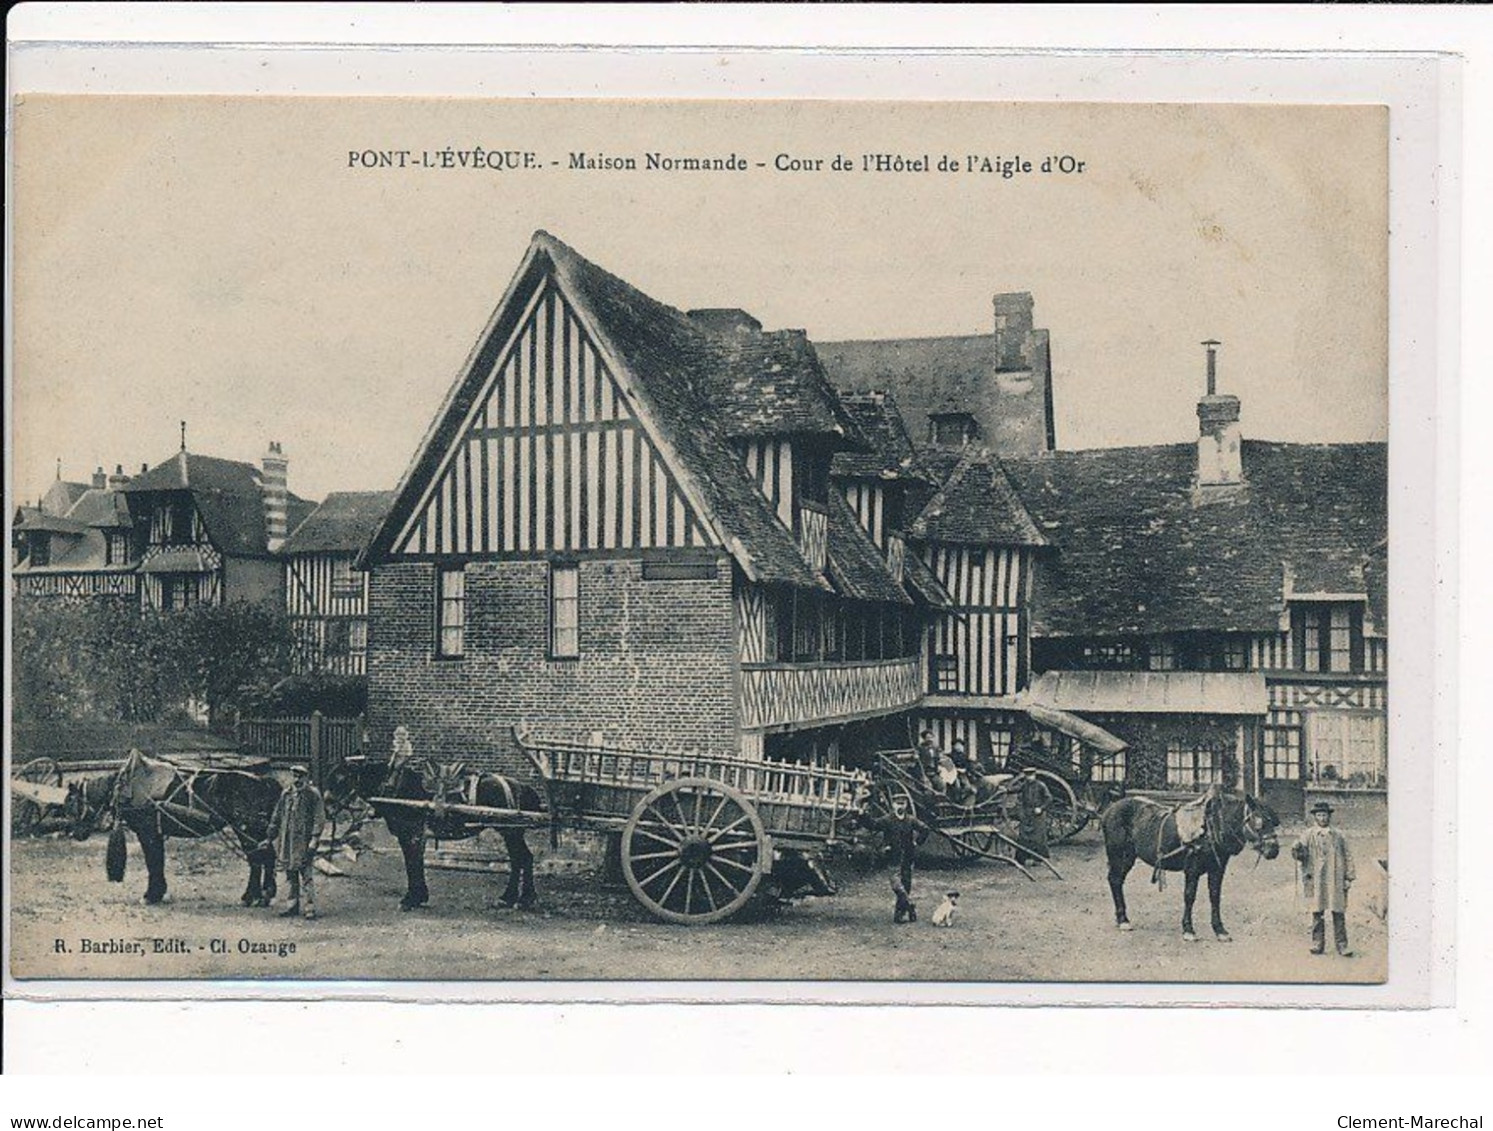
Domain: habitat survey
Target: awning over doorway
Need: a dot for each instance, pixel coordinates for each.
(1084, 731)
(1125, 693)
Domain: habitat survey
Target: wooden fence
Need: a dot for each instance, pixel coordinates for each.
(319, 742)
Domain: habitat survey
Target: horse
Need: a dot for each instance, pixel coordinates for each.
(1137, 827)
(158, 800)
(422, 780)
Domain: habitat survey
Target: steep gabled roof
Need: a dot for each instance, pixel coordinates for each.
(228, 496)
(101, 507)
(61, 496)
(700, 385)
(344, 522)
(1137, 553)
(973, 503)
(890, 454)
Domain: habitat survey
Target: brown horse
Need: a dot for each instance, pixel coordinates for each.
(158, 800)
(1139, 828)
(421, 780)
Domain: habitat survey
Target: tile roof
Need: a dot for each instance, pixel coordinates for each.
(669, 362)
(1014, 409)
(704, 383)
(891, 453)
(33, 519)
(99, 506)
(1135, 553)
(228, 496)
(923, 582)
(61, 496)
(974, 503)
(344, 522)
(855, 563)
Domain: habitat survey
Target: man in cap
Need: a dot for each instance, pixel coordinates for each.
(1326, 869)
(926, 762)
(295, 829)
(1033, 799)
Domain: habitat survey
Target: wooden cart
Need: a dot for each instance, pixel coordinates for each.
(983, 825)
(699, 833)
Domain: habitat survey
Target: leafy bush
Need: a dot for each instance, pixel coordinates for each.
(297, 696)
(106, 660)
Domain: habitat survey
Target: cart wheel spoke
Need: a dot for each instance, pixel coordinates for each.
(673, 833)
(705, 885)
(668, 836)
(716, 845)
(743, 819)
(718, 859)
(670, 855)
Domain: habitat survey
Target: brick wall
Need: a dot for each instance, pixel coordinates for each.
(656, 666)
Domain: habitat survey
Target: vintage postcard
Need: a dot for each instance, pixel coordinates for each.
(676, 541)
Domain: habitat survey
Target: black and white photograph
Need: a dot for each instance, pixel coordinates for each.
(485, 541)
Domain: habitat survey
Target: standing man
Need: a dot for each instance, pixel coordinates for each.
(904, 832)
(294, 830)
(1032, 802)
(1326, 868)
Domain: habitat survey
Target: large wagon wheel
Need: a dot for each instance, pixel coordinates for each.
(694, 851)
(1066, 816)
(25, 814)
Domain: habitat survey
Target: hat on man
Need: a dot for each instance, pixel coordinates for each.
(1029, 770)
(300, 771)
(1322, 807)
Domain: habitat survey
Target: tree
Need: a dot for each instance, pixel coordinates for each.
(105, 660)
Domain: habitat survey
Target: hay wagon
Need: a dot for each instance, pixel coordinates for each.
(698, 834)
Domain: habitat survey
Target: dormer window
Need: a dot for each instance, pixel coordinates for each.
(813, 478)
(1327, 636)
(952, 429)
(179, 521)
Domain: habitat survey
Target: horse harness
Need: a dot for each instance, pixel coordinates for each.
(185, 783)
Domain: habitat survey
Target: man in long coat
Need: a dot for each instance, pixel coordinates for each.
(1326, 868)
(295, 829)
(1033, 799)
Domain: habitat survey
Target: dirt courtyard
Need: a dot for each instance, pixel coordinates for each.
(1008, 930)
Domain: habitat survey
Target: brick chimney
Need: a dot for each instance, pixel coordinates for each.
(100, 480)
(119, 479)
(276, 495)
(1219, 461)
(1013, 331)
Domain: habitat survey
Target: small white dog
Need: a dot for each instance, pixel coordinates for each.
(943, 914)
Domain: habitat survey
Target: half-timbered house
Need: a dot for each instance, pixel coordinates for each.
(621, 524)
(80, 552)
(325, 597)
(1221, 606)
(207, 530)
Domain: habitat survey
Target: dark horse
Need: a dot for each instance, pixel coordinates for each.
(1136, 827)
(158, 799)
(423, 780)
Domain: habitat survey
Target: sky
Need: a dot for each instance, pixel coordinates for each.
(222, 260)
